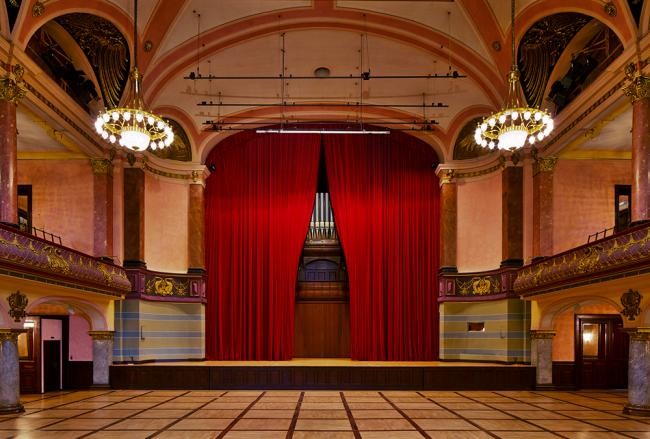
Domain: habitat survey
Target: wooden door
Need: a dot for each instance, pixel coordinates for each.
(601, 352)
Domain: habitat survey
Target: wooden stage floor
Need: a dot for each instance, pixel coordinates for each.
(323, 373)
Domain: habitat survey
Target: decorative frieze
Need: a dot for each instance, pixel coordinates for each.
(172, 287)
(101, 335)
(586, 263)
(485, 285)
(101, 166)
(22, 253)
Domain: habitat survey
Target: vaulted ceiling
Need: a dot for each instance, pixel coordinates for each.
(84, 48)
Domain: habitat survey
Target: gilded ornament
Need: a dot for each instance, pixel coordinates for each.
(446, 176)
(101, 335)
(11, 86)
(17, 305)
(10, 335)
(610, 9)
(631, 301)
(477, 286)
(148, 45)
(638, 88)
(163, 286)
(55, 261)
(541, 334)
(101, 166)
(590, 260)
(38, 9)
(544, 164)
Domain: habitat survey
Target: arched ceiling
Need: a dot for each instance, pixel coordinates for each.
(237, 38)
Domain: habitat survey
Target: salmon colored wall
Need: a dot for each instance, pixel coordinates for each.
(583, 198)
(528, 212)
(62, 199)
(165, 223)
(479, 224)
(563, 342)
(81, 344)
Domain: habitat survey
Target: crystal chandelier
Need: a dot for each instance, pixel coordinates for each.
(134, 127)
(510, 128)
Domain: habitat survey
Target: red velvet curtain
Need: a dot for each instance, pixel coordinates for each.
(258, 204)
(385, 198)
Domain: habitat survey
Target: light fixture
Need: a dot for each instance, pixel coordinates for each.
(510, 128)
(133, 126)
(320, 131)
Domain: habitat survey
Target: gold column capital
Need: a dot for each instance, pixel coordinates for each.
(101, 335)
(541, 334)
(11, 86)
(638, 334)
(638, 87)
(101, 166)
(544, 164)
(446, 176)
(10, 335)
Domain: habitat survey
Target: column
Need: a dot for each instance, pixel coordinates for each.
(102, 207)
(638, 375)
(543, 206)
(196, 225)
(10, 93)
(448, 220)
(541, 356)
(9, 372)
(638, 89)
(512, 211)
(102, 356)
(134, 218)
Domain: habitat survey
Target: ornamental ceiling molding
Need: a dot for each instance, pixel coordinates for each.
(173, 171)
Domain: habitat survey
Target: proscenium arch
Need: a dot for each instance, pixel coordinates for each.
(208, 139)
(88, 310)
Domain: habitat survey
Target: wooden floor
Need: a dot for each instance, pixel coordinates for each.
(324, 415)
(322, 374)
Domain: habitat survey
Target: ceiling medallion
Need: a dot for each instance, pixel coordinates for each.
(516, 123)
(133, 126)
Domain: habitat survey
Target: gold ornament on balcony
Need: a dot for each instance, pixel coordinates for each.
(17, 305)
(516, 123)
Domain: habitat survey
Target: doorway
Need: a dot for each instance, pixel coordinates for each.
(601, 352)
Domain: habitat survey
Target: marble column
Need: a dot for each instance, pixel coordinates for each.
(543, 206)
(638, 89)
(512, 215)
(541, 356)
(196, 232)
(102, 207)
(9, 372)
(134, 218)
(448, 221)
(638, 375)
(10, 93)
(102, 356)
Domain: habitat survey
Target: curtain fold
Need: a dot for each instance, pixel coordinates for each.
(258, 204)
(385, 198)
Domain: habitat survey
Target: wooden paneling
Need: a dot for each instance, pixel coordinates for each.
(564, 375)
(322, 329)
(323, 377)
(78, 374)
(29, 377)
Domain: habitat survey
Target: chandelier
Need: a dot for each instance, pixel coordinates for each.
(134, 127)
(516, 123)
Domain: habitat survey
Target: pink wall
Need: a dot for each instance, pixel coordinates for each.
(583, 198)
(62, 199)
(80, 343)
(564, 327)
(166, 206)
(479, 224)
(51, 329)
(528, 212)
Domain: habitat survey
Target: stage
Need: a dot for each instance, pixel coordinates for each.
(322, 373)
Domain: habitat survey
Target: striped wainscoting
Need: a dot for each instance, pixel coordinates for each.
(503, 337)
(146, 331)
